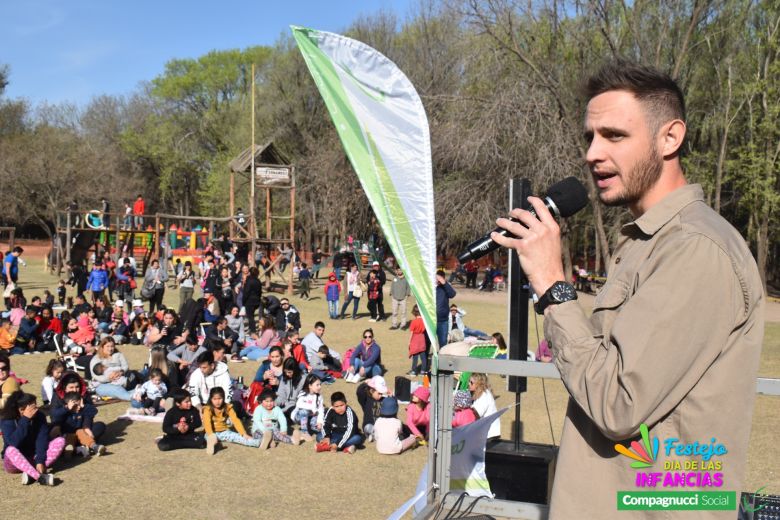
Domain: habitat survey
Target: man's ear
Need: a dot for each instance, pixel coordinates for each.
(671, 136)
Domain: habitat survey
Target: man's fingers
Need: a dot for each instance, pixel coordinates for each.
(542, 212)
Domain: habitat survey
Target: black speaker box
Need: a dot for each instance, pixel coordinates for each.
(403, 389)
(522, 475)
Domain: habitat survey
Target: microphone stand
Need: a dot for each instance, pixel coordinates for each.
(518, 294)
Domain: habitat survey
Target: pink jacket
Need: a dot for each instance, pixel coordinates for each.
(416, 417)
(463, 417)
(85, 333)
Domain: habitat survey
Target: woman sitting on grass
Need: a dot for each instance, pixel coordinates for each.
(290, 386)
(271, 370)
(113, 382)
(262, 344)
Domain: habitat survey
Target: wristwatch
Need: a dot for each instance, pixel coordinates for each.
(559, 292)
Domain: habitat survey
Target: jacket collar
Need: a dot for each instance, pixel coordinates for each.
(656, 217)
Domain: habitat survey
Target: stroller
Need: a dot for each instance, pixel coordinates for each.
(68, 359)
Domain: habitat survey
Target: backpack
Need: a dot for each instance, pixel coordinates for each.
(345, 363)
(250, 401)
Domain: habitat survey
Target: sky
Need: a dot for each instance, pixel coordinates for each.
(72, 50)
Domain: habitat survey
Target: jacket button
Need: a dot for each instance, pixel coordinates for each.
(617, 260)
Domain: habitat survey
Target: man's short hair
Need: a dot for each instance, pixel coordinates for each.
(18, 249)
(659, 94)
(319, 324)
(206, 357)
(338, 397)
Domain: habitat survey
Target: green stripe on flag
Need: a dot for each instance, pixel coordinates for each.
(372, 172)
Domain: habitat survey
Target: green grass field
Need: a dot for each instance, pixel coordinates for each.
(137, 480)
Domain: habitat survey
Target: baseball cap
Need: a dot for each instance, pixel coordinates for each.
(378, 383)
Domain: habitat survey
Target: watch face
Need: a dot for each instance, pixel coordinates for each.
(562, 292)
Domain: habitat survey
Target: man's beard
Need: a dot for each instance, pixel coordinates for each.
(641, 178)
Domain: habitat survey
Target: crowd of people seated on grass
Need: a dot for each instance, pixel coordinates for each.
(186, 383)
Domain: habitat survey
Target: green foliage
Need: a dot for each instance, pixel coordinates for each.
(500, 83)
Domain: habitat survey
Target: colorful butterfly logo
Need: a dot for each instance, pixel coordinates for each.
(644, 454)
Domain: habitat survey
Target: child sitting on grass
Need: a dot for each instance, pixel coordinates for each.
(389, 432)
(418, 413)
(54, 371)
(215, 420)
(180, 423)
(269, 423)
(26, 440)
(309, 410)
(340, 427)
(75, 421)
(146, 399)
(464, 414)
(322, 363)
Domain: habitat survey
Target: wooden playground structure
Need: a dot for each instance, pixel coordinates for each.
(162, 235)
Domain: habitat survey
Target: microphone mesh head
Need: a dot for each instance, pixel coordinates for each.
(569, 195)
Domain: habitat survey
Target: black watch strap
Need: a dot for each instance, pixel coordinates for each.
(559, 292)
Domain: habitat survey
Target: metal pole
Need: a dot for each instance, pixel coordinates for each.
(157, 236)
(67, 238)
(292, 227)
(232, 228)
(268, 213)
(252, 177)
(517, 295)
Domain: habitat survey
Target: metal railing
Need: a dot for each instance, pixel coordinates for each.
(439, 478)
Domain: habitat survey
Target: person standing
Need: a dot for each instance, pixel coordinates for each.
(472, 270)
(338, 259)
(444, 292)
(154, 281)
(252, 294)
(97, 282)
(316, 259)
(399, 292)
(672, 347)
(186, 281)
(354, 291)
(379, 302)
(139, 208)
(10, 270)
(125, 281)
(105, 208)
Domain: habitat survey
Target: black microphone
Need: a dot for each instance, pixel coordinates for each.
(563, 199)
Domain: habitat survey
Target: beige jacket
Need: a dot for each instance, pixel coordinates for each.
(673, 342)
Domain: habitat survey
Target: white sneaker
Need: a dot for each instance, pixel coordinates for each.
(46, 479)
(82, 451)
(26, 479)
(372, 320)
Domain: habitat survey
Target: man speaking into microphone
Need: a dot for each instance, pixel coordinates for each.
(676, 331)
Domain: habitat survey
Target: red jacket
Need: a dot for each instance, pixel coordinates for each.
(139, 207)
(299, 355)
(53, 324)
(417, 341)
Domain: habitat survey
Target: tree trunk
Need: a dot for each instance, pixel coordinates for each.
(762, 244)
